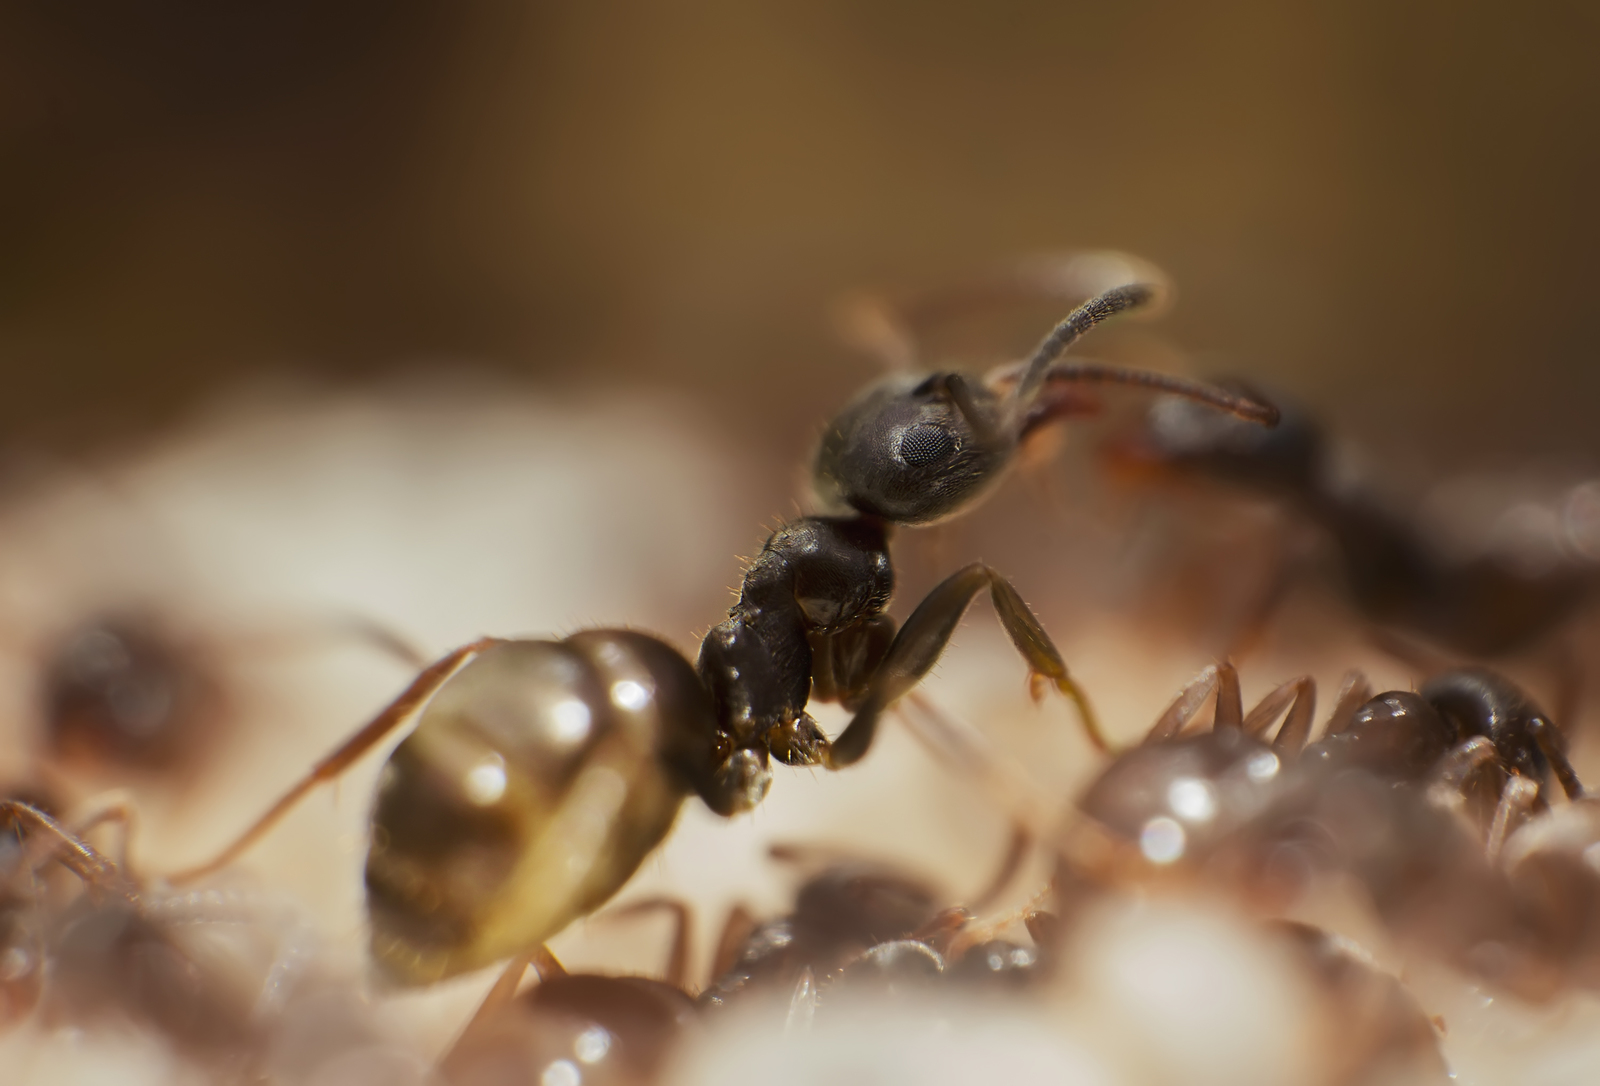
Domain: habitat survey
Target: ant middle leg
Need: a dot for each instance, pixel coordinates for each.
(923, 638)
(1300, 697)
(677, 973)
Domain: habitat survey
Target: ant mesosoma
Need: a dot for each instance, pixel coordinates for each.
(1486, 605)
(541, 773)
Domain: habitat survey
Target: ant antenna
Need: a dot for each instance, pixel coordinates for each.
(1044, 365)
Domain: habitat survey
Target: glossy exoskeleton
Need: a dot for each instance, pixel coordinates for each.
(541, 775)
(1377, 798)
(1487, 604)
(570, 1028)
(839, 914)
(102, 950)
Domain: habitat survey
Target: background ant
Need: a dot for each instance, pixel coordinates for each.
(1486, 603)
(222, 979)
(1378, 797)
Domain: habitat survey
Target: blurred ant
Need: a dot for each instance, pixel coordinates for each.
(1487, 605)
(129, 696)
(104, 947)
(1380, 797)
(569, 1027)
(541, 773)
(855, 924)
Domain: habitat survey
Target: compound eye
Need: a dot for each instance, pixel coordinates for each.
(926, 444)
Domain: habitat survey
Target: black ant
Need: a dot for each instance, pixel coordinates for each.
(1487, 605)
(541, 773)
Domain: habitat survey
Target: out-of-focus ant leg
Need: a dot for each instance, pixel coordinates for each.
(1229, 711)
(1183, 707)
(802, 1003)
(62, 846)
(1455, 774)
(1300, 697)
(390, 717)
(119, 814)
(1354, 692)
(1517, 798)
(344, 627)
(1018, 846)
(737, 927)
(1425, 659)
(965, 752)
(677, 973)
(924, 636)
(504, 990)
(1553, 746)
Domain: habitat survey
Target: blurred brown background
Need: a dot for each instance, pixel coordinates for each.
(1388, 208)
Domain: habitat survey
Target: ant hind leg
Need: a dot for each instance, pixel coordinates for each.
(389, 718)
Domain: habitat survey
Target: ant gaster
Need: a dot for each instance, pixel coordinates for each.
(541, 775)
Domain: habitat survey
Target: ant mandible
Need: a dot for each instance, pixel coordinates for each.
(542, 773)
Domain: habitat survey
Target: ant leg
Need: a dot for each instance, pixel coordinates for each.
(1354, 692)
(502, 992)
(391, 717)
(1427, 660)
(1448, 790)
(1551, 744)
(1567, 663)
(1300, 697)
(72, 852)
(965, 751)
(802, 1003)
(924, 636)
(677, 973)
(1017, 849)
(1183, 707)
(351, 627)
(120, 814)
(737, 926)
(1229, 711)
(1517, 798)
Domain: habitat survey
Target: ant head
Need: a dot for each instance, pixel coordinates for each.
(913, 449)
(917, 448)
(1188, 435)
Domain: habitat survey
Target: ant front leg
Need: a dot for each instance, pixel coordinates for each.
(923, 638)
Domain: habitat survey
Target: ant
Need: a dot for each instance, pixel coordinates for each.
(1486, 605)
(113, 950)
(1380, 796)
(570, 1027)
(541, 773)
(130, 697)
(855, 924)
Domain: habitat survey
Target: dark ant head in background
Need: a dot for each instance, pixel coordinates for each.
(920, 447)
(121, 690)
